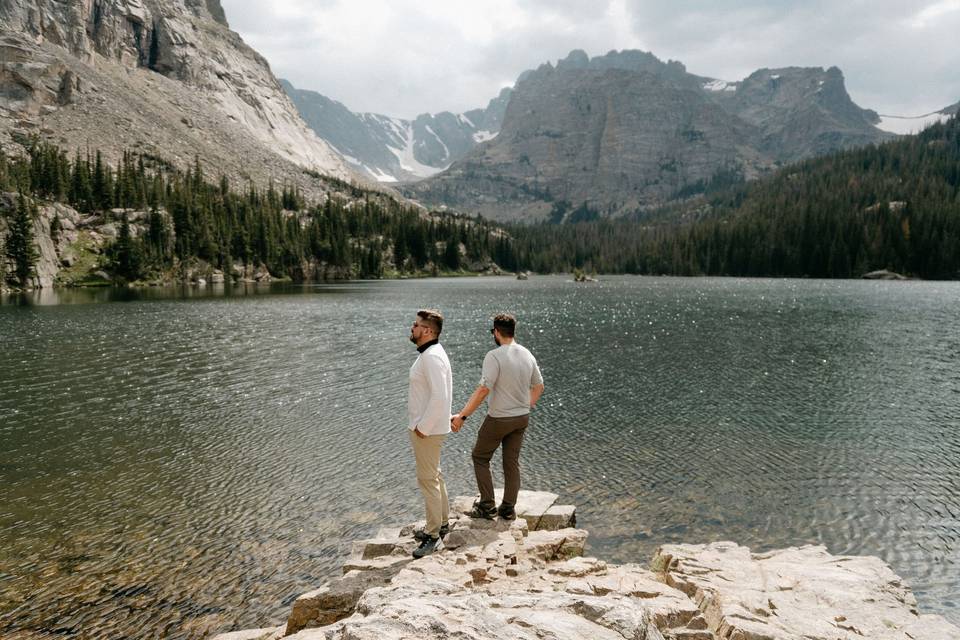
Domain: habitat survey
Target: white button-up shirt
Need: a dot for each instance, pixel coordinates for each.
(431, 392)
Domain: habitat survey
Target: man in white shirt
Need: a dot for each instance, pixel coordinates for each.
(513, 381)
(428, 419)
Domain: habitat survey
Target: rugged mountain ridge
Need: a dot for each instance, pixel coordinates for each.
(391, 149)
(626, 132)
(165, 77)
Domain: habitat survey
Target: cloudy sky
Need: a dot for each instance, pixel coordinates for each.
(405, 57)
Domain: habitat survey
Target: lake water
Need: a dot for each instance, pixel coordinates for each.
(179, 463)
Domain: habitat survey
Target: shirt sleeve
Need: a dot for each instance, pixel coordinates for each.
(490, 371)
(537, 377)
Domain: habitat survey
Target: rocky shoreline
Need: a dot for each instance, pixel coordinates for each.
(528, 579)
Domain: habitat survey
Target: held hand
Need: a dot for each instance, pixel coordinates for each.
(456, 423)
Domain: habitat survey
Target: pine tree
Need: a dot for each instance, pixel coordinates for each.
(125, 253)
(56, 227)
(451, 255)
(20, 247)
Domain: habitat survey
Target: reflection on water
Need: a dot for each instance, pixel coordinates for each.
(190, 461)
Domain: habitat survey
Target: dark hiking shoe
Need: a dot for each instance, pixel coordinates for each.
(481, 511)
(428, 546)
(506, 512)
(422, 535)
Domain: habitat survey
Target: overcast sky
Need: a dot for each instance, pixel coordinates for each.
(406, 57)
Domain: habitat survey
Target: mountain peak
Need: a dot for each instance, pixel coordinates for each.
(165, 76)
(576, 59)
(626, 131)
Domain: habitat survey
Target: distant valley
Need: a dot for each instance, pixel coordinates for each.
(390, 149)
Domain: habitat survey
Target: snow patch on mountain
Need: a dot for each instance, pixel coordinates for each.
(720, 85)
(407, 159)
(446, 150)
(380, 176)
(483, 136)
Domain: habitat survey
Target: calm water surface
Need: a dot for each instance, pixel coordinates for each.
(174, 464)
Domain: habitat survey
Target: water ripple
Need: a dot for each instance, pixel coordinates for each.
(176, 466)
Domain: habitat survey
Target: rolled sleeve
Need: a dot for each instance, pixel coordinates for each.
(490, 371)
(537, 377)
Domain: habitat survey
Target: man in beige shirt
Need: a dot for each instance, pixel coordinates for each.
(512, 380)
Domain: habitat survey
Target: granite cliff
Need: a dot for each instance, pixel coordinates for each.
(626, 132)
(163, 77)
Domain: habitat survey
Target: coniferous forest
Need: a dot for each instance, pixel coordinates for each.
(894, 206)
(365, 235)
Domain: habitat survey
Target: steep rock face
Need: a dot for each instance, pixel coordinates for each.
(167, 76)
(801, 112)
(394, 149)
(626, 131)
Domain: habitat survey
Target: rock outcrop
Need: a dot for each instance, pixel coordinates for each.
(163, 77)
(395, 149)
(626, 132)
(528, 579)
(796, 593)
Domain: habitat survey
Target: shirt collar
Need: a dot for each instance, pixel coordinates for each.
(427, 345)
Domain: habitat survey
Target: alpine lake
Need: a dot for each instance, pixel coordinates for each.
(180, 462)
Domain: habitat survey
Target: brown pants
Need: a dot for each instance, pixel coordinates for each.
(493, 432)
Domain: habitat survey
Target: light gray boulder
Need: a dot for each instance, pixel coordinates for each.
(795, 593)
(337, 600)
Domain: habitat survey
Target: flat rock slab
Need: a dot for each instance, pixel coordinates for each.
(383, 564)
(474, 596)
(797, 593)
(559, 516)
(538, 508)
(379, 547)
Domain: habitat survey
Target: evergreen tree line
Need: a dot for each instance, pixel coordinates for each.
(216, 224)
(894, 206)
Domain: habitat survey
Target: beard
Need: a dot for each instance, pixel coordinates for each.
(497, 340)
(412, 339)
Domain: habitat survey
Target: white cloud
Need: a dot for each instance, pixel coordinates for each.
(928, 14)
(406, 57)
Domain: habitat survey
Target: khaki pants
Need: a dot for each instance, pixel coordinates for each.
(493, 433)
(426, 451)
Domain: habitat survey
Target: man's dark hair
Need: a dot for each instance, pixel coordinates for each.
(505, 323)
(432, 318)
